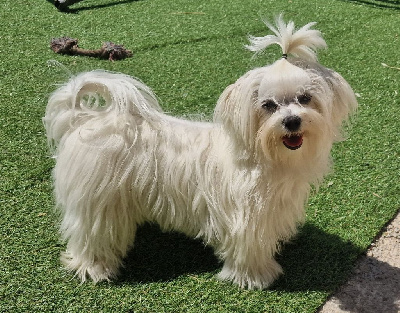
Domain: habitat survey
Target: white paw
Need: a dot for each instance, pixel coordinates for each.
(251, 278)
(95, 270)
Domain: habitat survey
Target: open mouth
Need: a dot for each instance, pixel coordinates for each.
(293, 142)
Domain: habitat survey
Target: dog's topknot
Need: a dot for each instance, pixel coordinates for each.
(301, 43)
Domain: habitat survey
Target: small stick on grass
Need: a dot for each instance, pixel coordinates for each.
(109, 50)
(392, 67)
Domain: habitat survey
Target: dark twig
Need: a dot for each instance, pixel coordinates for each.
(109, 50)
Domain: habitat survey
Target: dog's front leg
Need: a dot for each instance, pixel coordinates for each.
(252, 267)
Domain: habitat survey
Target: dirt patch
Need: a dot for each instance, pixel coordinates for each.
(375, 284)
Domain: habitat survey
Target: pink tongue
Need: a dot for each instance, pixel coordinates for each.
(293, 141)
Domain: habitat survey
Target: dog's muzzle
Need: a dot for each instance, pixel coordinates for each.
(294, 140)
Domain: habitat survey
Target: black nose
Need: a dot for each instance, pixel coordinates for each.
(292, 123)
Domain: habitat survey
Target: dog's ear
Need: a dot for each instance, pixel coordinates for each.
(236, 111)
(344, 100)
(223, 109)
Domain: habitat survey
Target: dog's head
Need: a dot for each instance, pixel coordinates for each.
(290, 110)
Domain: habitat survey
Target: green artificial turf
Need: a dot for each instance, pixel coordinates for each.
(188, 52)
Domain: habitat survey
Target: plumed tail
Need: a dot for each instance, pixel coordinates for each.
(301, 43)
(94, 95)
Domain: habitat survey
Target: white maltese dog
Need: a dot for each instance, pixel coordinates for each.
(239, 183)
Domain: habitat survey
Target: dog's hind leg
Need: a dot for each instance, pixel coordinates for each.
(99, 219)
(99, 237)
(99, 257)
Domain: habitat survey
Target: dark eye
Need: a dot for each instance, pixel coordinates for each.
(269, 105)
(304, 98)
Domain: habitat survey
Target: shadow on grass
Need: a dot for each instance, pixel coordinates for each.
(68, 9)
(382, 4)
(159, 256)
(314, 260)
